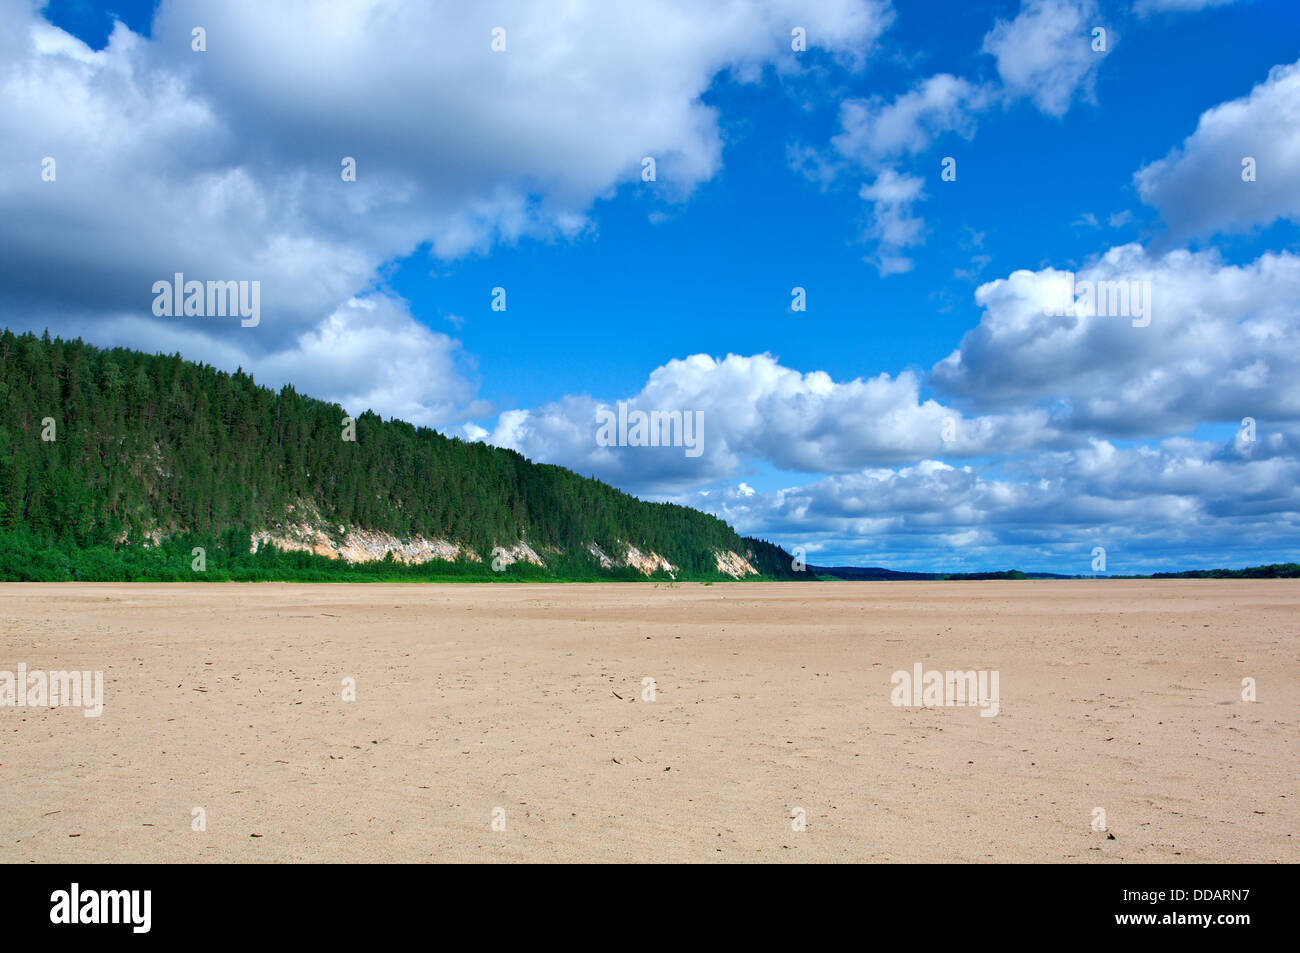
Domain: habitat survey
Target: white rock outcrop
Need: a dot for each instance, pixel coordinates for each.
(361, 546)
(733, 564)
(520, 552)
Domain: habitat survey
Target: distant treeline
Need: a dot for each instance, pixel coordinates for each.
(103, 448)
(1271, 571)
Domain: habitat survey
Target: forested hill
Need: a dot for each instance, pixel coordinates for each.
(114, 460)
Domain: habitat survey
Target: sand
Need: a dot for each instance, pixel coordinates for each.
(772, 703)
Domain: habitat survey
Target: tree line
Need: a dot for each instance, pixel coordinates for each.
(102, 449)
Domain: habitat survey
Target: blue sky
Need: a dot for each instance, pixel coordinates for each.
(818, 169)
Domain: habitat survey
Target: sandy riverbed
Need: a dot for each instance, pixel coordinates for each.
(768, 698)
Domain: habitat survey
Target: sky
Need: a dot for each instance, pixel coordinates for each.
(931, 175)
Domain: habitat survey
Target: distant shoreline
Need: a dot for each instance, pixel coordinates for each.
(877, 574)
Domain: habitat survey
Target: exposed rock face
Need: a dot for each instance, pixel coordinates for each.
(361, 546)
(152, 537)
(521, 551)
(733, 564)
(646, 562)
(299, 538)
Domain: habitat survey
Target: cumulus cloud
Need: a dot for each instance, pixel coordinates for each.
(1216, 348)
(1022, 381)
(1198, 187)
(1046, 52)
(225, 164)
(756, 409)
(893, 224)
(1181, 504)
(874, 131)
(370, 353)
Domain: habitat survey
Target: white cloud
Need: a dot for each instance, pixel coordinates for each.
(1046, 53)
(893, 224)
(1198, 187)
(874, 132)
(1217, 349)
(225, 164)
(1182, 504)
(754, 409)
(1220, 346)
(371, 354)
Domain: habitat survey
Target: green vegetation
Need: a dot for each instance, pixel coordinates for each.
(24, 557)
(153, 446)
(1271, 571)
